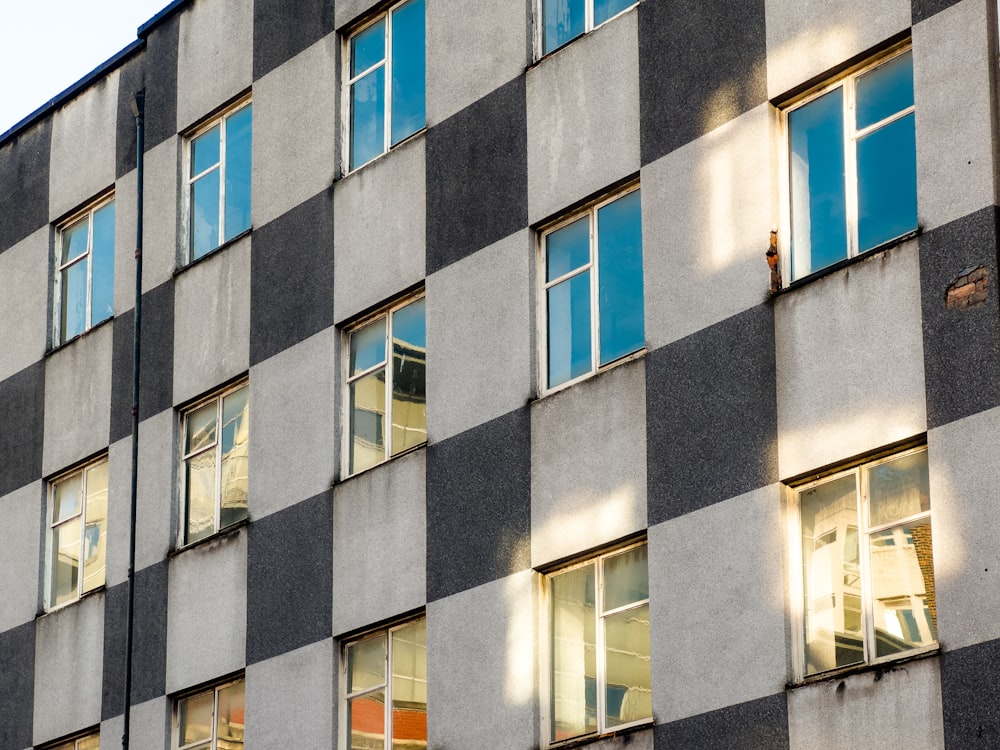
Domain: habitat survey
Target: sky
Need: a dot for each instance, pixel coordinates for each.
(48, 45)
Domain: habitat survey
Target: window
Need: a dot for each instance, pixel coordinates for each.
(379, 394)
(219, 180)
(599, 648)
(215, 455)
(85, 278)
(867, 568)
(386, 79)
(852, 165)
(90, 742)
(593, 289)
(212, 719)
(78, 530)
(565, 20)
(386, 689)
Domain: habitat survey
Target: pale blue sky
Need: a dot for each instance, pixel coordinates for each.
(47, 45)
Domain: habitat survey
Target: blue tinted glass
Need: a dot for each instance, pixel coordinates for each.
(408, 70)
(819, 220)
(887, 183)
(368, 117)
(569, 329)
(205, 214)
(604, 9)
(567, 248)
(619, 276)
(408, 325)
(205, 151)
(368, 48)
(564, 20)
(368, 347)
(74, 300)
(885, 90)
(103, 258)
(239, 131)
(74, 241)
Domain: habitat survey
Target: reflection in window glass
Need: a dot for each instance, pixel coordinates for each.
(77, 533)
(86, 272)
(214, 719)
(90, 742)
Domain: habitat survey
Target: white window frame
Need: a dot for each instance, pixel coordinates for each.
(189, 179)
(542, 312)
(50, 526)
(217, 397)
(214, 689)
(846, 80)
(588, 25)
(545, 648)
(796, 558)
(88, 214)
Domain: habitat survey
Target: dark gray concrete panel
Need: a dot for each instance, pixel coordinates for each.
(161, 81)
(756, 725)
(290, 578)
(921, 10)
(961, 344)
(711, 421)
(291, 277)
(17, 686)
(477, 176)
(479, 505)
(701, 64)
(24, 184)
(281, 31)
(131, 80)
(121, 376)
(970, 697)
(113, 675)
(22, 420)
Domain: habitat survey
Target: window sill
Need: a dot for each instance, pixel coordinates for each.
(878, 668)
(373, 467)
(232, 530)
(66, 605)
(78, 336)
(636, 355)
(380, 157)
(214, 251)
(593, 739)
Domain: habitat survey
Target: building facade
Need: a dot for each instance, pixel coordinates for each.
(459, 346)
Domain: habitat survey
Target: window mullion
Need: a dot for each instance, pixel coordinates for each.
(387, 437)
(387, 57)
(851, 167)
(588, 16)
(217, 448)
(83, 530)
(222, 179)
(867, 603)
(595, 316)
(215, 719)
(388, 689)
(89, 254)
(600, 661)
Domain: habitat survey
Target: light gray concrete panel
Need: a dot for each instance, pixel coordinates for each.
(21, 555)
(347, 11)
(481, 674)
(717, 606)
(380, 235)
(379, 545)
(295, 131)
(156, 495)
(965, 478)
(207, 585)
(25, 271)
(707, 213)
(77, 400)
(69, 662)
(161, 206)
(472, 48)
(901, 706)
(119, 498)
(125, 239)
(212, 321)
(214, 57)
(583, 117)
(806, 39)
(588, 466)
(294, 447)
(850, 362)
(282, 692)
(480, 329)
(952, 57)
(83, 146)
(149, 726)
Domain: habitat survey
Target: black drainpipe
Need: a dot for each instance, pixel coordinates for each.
(138, 109)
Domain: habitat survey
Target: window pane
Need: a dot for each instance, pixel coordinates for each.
(887, 183)
(205, 215)
(626, 654)
(366, 664)
(235, 454)
(194, 715)
(67, 496)
(830, 574)
(74, 241)
(95, 531)
(103, 259)
(567, 248)
(409, 687)
(408, 70)
(903, 588)
(409, 366)
(66, 568)
(604, 9)
(366, 721)
(819, 223)
(626, 578)
(569, 329)
(368, 346)
(231, 716)
(368, 117)
(564, 20)
(885, 90)
(239, 134)
(89, 743)
(205, 151)
(201, 427)
(200, 484)
(74, 300)
(898, 488)
(367, 409)
(574, 653)
(619, 263)
(367, 48)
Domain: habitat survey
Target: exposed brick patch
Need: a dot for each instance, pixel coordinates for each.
(969, 289)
